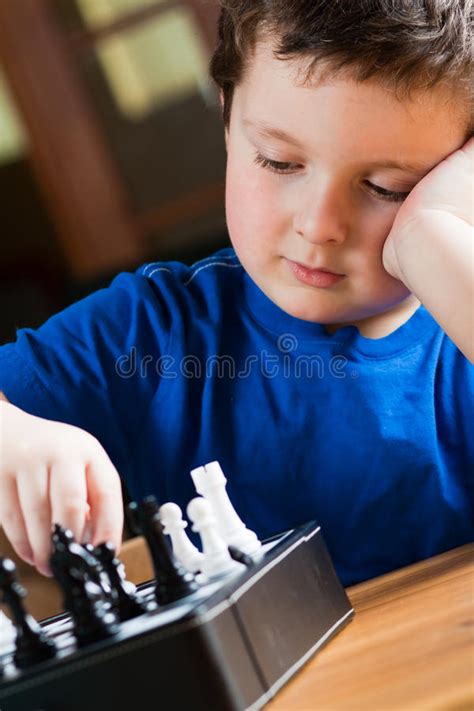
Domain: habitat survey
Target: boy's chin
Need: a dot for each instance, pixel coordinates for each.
(363, 318)
(333, 311)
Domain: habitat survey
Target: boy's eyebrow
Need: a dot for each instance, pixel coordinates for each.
(273, 132)
(402, 165)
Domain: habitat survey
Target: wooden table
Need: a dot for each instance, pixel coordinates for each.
(409, 647)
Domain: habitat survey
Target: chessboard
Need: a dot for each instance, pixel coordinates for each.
(225, 631)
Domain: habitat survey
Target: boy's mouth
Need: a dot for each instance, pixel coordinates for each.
(320, 277)
(320, 269)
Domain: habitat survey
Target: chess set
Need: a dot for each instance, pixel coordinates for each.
(221, 627)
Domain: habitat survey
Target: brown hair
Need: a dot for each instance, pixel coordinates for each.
(406, 45)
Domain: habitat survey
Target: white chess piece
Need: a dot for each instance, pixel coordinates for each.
(184, 550)
(7, 630)
(210, 482)
(217, 560)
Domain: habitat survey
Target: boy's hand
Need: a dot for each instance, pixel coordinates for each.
(51, 472)
(447, 189)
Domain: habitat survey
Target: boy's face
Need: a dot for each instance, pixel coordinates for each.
(321, 209)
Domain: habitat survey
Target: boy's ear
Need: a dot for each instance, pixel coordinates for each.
(226, 130)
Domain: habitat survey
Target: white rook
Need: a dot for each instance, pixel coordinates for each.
(210, 482)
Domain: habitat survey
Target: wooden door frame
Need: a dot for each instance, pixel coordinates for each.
(82, 186)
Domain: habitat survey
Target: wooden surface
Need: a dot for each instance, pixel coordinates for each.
(409, 647)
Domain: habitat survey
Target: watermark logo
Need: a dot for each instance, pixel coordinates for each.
(287, 343)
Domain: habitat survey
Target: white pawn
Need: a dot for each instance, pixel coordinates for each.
(210, 482)
(217, 559)
(184, 550)
(7, 630)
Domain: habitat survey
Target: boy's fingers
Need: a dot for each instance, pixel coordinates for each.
(105, 500)
(34, 502)
(12, 522)
(68, 496)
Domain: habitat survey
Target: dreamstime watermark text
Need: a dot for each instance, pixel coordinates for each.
(282, 362)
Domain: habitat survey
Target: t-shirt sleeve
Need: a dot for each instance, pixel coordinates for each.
(455, 418)
(93, 365)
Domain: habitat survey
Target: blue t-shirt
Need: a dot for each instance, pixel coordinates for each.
(175, 366)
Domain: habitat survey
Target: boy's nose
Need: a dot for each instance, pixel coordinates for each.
(321, 220)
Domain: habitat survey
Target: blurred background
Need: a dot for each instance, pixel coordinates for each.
(111, 146)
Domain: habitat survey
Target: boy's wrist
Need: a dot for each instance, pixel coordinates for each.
(430, 236)
(395, 249)
(434, 253)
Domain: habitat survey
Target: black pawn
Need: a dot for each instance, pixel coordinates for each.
(126, 601)
(32, 645)
(173, 582)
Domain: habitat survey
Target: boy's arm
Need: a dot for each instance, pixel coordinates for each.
(435, 254)
(2, 397)
(78, 391)
(430, 247)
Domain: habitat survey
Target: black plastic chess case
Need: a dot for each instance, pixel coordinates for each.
(229, 646)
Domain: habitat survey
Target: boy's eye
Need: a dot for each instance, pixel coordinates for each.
(285, 167)
(274, 165)
(389, 195)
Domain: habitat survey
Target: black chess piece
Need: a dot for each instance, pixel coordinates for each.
(32, 645)
(173, 582)
(240, 556)
(94, 568)
(98, 573)
(126, 601)
(84, 598)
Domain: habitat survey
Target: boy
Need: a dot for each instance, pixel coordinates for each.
(313, 360)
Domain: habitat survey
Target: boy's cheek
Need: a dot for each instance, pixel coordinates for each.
(247, 210)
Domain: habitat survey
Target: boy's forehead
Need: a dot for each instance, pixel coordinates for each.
(266, 76)
(264, 68)
(272, 99)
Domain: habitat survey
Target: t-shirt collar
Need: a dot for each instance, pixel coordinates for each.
(420, 326)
